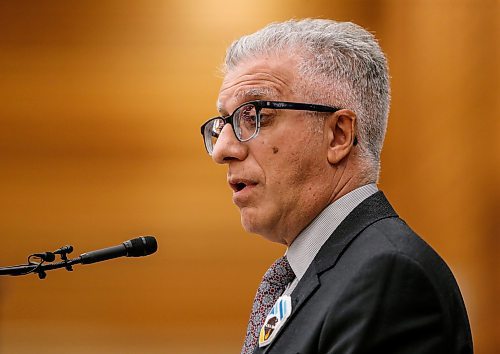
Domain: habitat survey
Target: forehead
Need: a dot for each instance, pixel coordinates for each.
(269, 77)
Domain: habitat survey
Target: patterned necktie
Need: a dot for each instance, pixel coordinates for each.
(274, 282)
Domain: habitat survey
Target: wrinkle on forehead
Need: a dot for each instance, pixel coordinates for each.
(268, 78)
(256, 93)
(252, 94)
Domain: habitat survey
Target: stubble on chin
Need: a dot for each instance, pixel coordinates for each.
(255, 223)
(248, 219)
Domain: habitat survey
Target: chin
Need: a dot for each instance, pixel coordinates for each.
(254, 224)
(251, 221)
(249, 224)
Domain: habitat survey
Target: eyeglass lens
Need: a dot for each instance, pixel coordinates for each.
(245, 126)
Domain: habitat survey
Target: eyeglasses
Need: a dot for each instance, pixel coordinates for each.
(247, 119)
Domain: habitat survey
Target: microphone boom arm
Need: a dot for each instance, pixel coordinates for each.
(40, 268)
(137, 247)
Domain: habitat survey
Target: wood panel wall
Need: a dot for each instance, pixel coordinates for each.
(101, 103)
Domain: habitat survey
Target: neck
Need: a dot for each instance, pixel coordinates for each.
(346, 178)
(342, 179)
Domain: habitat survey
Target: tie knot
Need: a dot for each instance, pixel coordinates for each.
(279, 273)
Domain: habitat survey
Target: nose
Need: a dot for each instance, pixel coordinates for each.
(228, 147)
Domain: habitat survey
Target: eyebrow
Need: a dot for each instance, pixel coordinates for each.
(253, 94)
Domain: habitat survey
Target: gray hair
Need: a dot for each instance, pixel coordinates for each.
(340, 64)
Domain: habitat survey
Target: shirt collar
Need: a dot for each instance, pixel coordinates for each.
(304, 248)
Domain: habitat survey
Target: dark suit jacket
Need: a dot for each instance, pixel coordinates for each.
(375, 287)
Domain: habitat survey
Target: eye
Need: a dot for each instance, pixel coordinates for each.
(215, 133)
(267, 116)
(247, 116)
(248, 113)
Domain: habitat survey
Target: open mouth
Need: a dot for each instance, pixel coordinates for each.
(238, 186)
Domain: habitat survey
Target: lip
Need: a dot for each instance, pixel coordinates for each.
(242, 189)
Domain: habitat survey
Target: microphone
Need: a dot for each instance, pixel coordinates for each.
(137, 247)
(64, 249)
(45, 256)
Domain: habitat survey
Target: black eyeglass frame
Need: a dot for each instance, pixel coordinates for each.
(259, 105)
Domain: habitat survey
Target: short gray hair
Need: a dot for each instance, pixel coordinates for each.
(340, 64)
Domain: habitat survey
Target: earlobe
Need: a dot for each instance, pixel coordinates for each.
(341, 135)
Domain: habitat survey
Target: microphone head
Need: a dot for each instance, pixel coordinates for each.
(64, 249)
(46, 256)
(141, 246)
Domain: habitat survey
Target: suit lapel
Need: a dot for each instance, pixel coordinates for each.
(372, 209)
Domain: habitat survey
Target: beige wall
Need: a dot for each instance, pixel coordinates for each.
(100, 109)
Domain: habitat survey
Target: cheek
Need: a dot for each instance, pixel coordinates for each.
(285, 171)
(295, 167)
(290, 162)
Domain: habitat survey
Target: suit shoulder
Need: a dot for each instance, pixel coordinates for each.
(392, 239)
(392, 243)
(394, 236)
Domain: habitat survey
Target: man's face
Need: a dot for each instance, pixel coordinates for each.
(279, 179)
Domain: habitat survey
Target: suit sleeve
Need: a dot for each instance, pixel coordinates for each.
(390, 306)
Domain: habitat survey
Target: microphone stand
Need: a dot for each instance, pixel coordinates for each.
(137, 247)
(41, 268)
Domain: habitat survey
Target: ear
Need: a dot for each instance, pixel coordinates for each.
(340, 130)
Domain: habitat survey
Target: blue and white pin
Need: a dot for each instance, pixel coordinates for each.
(275, 320)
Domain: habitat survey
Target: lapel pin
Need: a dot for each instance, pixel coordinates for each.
(275, 320)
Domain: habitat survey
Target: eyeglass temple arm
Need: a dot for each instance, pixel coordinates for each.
(298, 106)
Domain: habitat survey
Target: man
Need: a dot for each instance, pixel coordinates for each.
(304, 107)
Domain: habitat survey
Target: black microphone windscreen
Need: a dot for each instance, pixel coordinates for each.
(142, 246)
(46, 256)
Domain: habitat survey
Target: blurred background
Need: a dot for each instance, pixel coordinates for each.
(101, 103)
